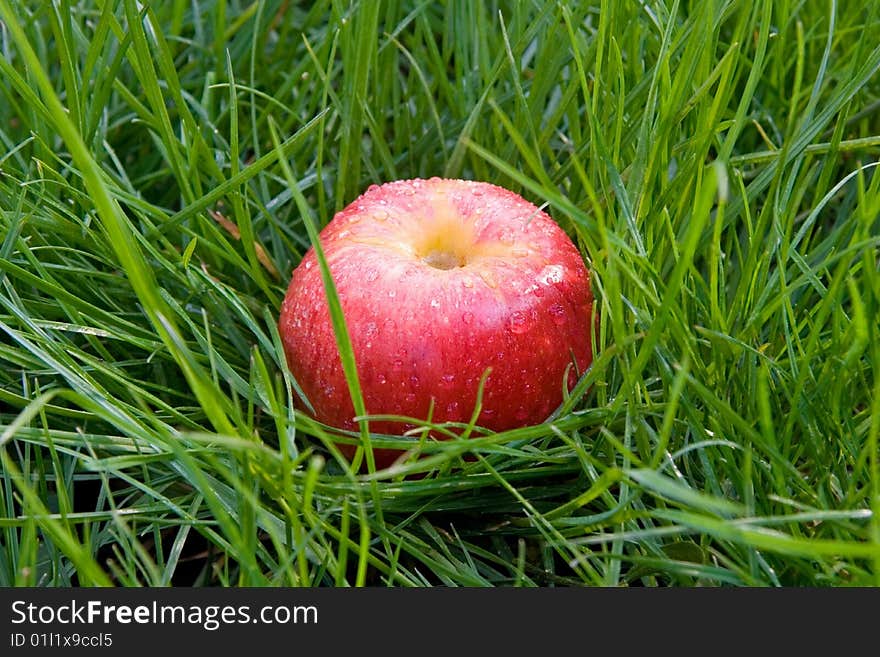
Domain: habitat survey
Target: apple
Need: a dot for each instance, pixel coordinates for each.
(440, 280)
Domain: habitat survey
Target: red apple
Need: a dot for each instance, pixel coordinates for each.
(438, 281)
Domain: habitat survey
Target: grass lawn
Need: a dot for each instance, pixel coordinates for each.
(715, 162)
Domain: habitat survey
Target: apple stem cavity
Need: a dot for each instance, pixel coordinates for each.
(440, 259)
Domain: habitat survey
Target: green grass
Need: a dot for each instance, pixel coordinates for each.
(162, 170)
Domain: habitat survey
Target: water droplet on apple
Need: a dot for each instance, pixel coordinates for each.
(521, 414)
(507, 237)
(398, 364)
(518, 322)
(392, 294)
(467, 282)
(343, 234)
(488, 279)
(435, 303)
(308, 264)
(467, 317)
(551, 274)
(372, 275)
(557, 312)
(476, 191)
(447, 380)
(452, 411)
(410, 397)
(381, 379)
(372, 188)
(414, 381)
(370, 330)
